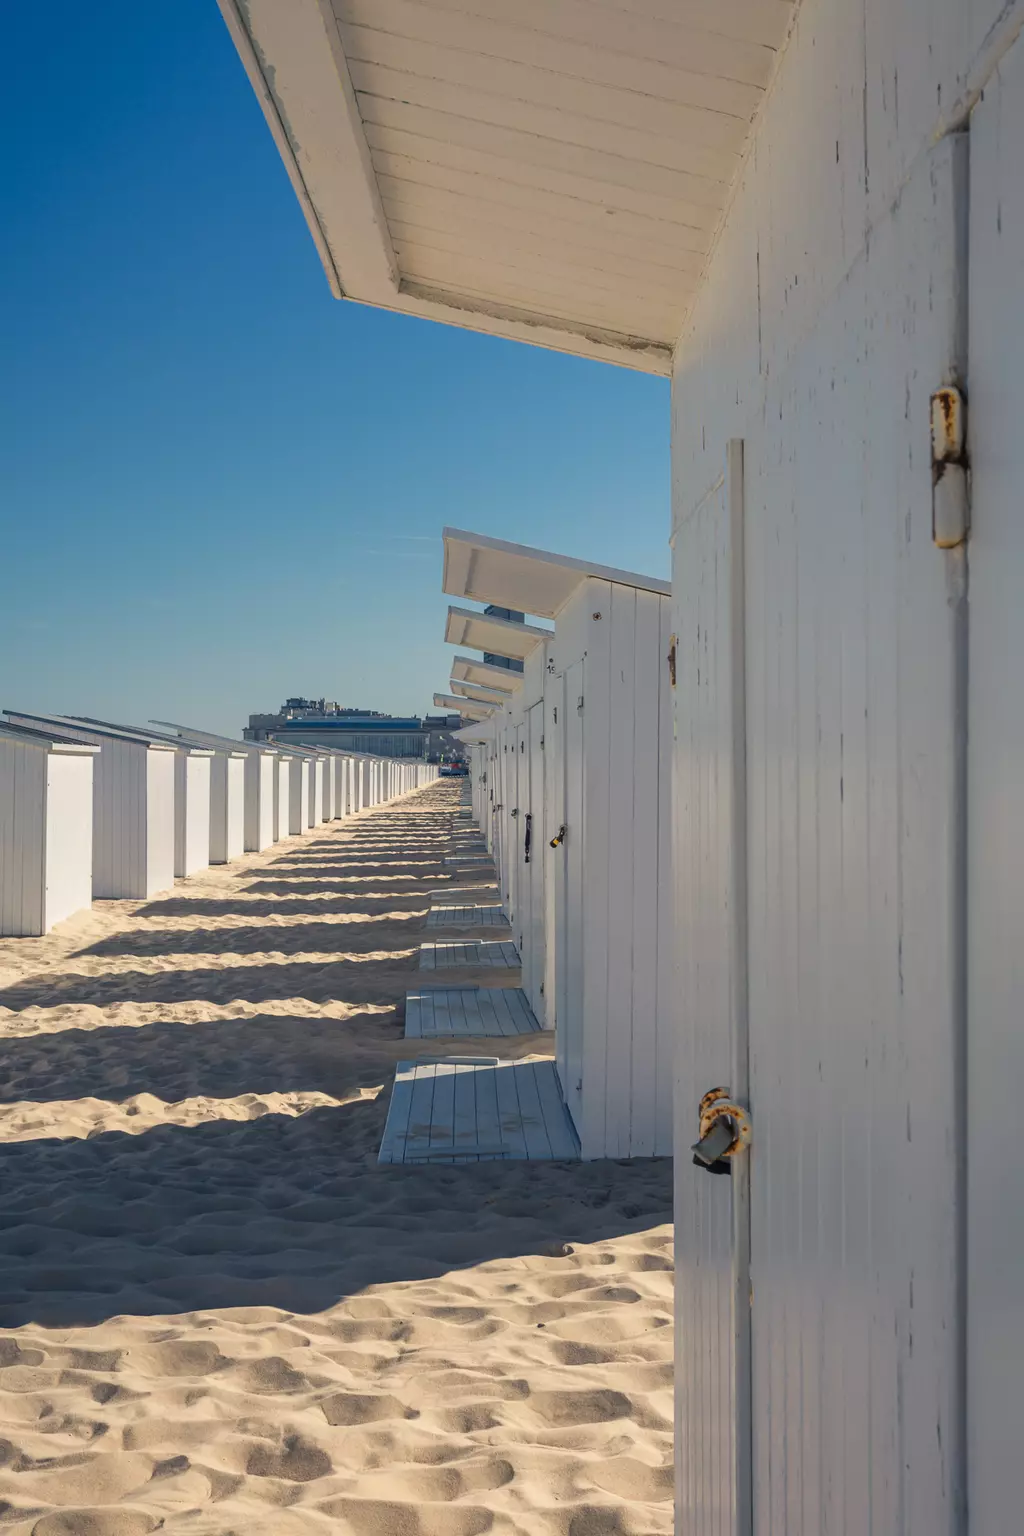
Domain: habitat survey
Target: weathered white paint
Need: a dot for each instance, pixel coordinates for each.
(133, 807)
(45, 829)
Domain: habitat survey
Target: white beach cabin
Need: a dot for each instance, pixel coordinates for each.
(257, 830)
(591, 737)
(811, 217)
(294, 790)
(464, 707)
(503, 812)
(192, 793)
(133, 807)
(45, 828)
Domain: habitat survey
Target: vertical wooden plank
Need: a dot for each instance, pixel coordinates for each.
(668, 990)
(509, 1114)
(995, 857)
(639, 1134)
(612, 1079)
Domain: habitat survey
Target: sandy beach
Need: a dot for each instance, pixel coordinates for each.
(219, 1315)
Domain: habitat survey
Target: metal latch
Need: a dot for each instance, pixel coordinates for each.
(559, 836)
(725, 1130)
(672, 660)
(528, 839)
(950, 470)
(514, 812)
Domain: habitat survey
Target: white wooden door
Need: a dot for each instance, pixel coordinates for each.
(834, 926)
(711, 1210)
(569, 891)
(995, 1038)
(534, 845)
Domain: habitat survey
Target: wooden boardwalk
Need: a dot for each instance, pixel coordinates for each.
(462, 952)
(468, 1011)
(477, 915)
(474, 1109)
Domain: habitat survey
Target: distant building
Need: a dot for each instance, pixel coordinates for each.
(317, 723)
(510, 663)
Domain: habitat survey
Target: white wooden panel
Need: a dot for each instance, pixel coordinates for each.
(730, 98)
(154, 825)
(236, 808)
(608, 1061)
(282, 798)
(638, 1121)
(219, 808)
(426, 192)
(828, 317)
(68, 853)
(706, 1448)
(427, 101)
(191, 813)
(298, 797)
(570, 971)
(385, 64)
(995, 1041)
(22, 839)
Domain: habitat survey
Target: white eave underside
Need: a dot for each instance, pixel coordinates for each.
(498, 637)
(548, 170)
(523, 579)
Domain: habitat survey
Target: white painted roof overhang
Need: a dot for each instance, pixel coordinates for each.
(549, 170)
(528, 580)
(473, 735)
(465, 669)
(464, 707)
(156, 741)
(500, 637)
(46, 741)
(226, 744)
(480, 695)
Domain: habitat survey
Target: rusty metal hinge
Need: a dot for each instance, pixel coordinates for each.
(951, 504)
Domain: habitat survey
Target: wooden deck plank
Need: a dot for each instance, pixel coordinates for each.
(535, 1131)
(420, 1111)
(392, 1147)
(442, 1110)
(509, 1115)
(466, 1130)
(414, 1015)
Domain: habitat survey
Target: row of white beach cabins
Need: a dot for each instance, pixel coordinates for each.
(570, 760)
(90, 810)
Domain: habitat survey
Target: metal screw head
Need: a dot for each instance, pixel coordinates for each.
(595, 615)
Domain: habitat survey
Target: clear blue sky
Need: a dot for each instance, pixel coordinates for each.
(218, 484)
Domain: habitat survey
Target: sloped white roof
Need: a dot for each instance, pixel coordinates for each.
(548, 170)
(219, 743)
(501, 637)
(481, 695)
(465, 707)
(466, 669)
(518, 577)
